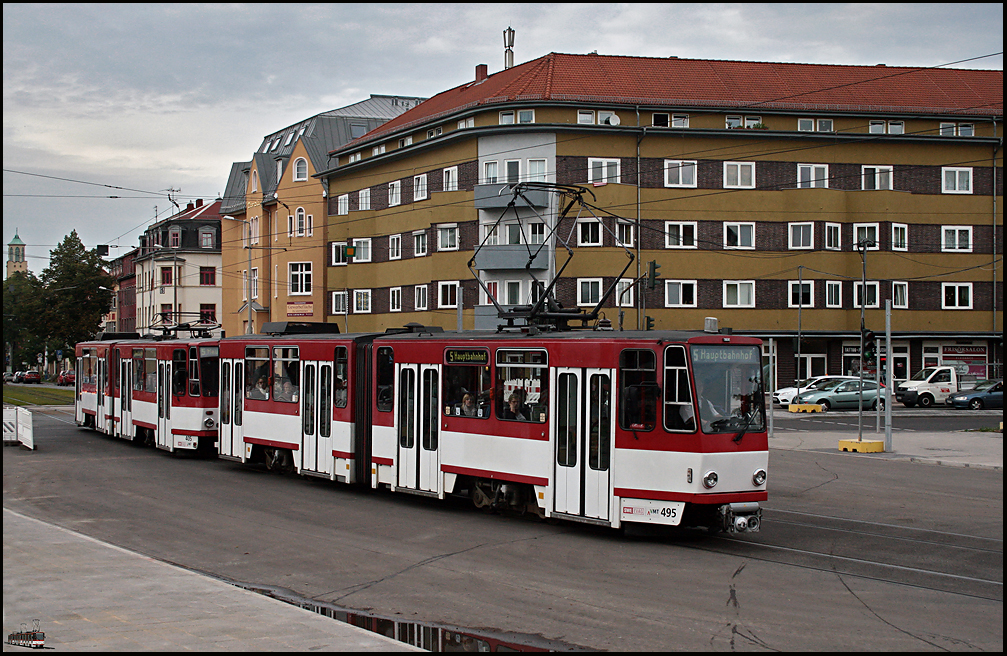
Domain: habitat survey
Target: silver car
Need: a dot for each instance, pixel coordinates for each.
(786, 395)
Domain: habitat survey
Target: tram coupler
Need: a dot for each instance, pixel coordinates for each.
(741, 517)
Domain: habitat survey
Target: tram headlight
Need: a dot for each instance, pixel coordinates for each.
(208, 422)
(759, 477)
(710, 479)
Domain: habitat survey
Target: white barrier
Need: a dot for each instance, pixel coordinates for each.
(17, 427)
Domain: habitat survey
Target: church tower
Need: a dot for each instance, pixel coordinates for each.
(16, 260)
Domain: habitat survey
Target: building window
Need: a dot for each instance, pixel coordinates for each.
(589, 233)
(679, 173)
(435, 132)
(469, 122)
(679, 120)
(337, 253)
(739, 175)
(300, 169)
(395, 299)
(420, 297)
(300, 278)
(947, 129)
(362, 250)
(956, 295)
(395, 247)
(526, 116)
(206, 238)
(254, 282)
(166, 276)
(451, 179)
(833, 241)
(490, 293)
(623, 234)
(406, 141)
(739, 235)
(811, 176)
(490, 172)
(513, 170)
(338, 302)
(833, 294)
(447, 238)
(207, 276)
(877, 127)
(420, 187)
(802, 235)
(739, 293)
(588, 291)
(419, 244)
(301, 225)
(447, 295)
(871, 300)
(378, 150)
(680, 293)
(536, 233)
(364, 199)
(512, 292)
(896, 127)
(601, 171)
(507, 118)
(957, 239)
(900, 295)
(607, 117)
(966, 130)
(865, 232)
(624, 293)
(802, 294)
(394, 193)
(877, 177)
(354, 157)
(536, 170)
(957, 180)
(175, 238)
(585, 116)
(660, 120)
(343, 205)
(679, 235)
(207, 313)
(900, 237)
(255, 181)
(361, 301)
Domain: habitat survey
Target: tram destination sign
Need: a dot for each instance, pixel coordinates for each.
(725, 354)
(467, 356)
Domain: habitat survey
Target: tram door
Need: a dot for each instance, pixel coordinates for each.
(231, 441)
(417, 423)
(316, 417)
(583, 433)
(126, 398)
(164, 440)
(101, 419)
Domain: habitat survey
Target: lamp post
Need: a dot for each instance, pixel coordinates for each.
(862, 247)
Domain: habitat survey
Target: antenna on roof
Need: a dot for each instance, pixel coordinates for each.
(508, 36)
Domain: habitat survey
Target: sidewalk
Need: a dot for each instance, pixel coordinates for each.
(92, 596)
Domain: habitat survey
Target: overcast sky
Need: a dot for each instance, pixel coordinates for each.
(151, 97)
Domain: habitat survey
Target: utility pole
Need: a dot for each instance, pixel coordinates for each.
(862, 246)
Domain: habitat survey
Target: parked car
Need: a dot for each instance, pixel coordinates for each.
(8, 376)
(986, 394)
(785, 396)
(18, 376)
(32, 377)
(843, 394)
(67, 377)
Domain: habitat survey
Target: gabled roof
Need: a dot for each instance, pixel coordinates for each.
(234, 192)
(713, 84)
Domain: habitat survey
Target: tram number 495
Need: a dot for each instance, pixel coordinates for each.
(652, 511)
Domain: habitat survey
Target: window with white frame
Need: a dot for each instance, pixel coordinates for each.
(739, 293)
(733, 122)
(451, 179)
(419, 244)
(956, 239)
(607, 117)
(739, 175)
(255, 282)
(877, 127)
(680, 293)
(206, 236)
(588, 291)
(957, 180)
(465, 123)
(513, 233)
(492, 291)
(833, 294)
(680, 234)
(394, 247)
(354, 157)
(343, 205)
(812, 176)
(435, 132)
(833, 236)
(300, 169)
(536, 233)
(512, 169)
(871, 300)
(739, 235)
(679, 120)
(585, 116)
(802, 236)
(447, 237)
(394, 193)
(624, 293)
(491, 235)
(802, 294)
(507, 117)
(406, 141)
(896, 127)
(338, 302)
(877, 177)
(364, 199)
(300, 278)
(900, 237)
(947, 129)
(490, 172)
(956, 295)
(536, 170)
(900, 295)
(589, 233)
(966, 130)
(512, 292)
(337, 253)
(865, 232)
(175, 237)
(660, 120)
(679, 173)
(395, 299)
(420, 187)
(601, 171)
(447, 295)
(624, 234)
(420, 297)
(361, 301)
(362, 249)
(526, 116)
(279, 168)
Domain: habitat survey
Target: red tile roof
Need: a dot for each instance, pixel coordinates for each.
(684, 83)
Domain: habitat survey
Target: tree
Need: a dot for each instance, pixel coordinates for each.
(23, 329)
(77, 292)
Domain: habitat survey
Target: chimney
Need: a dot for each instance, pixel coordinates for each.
(199, 202)
(189, 207)
(482, 72)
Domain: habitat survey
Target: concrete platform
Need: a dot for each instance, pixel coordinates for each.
(92, 596)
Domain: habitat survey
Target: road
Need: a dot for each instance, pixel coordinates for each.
(855, 554)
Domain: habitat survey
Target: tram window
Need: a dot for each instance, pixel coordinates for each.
(467, 386)
(385, 379)
(325, 390)
(679, 414)
(193, 371)
(138, 370)
(638, 389)
(179, 372)
(89, 365)
(238, 401)
(729, 388)
(286, 374)
(342, 379)
(225, 405)
(256, 372)
(599, 422)
(522, 385)
(209, 370)
(150, 370)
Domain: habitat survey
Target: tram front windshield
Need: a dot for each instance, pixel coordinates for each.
(729, 388)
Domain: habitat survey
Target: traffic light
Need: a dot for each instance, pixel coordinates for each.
(650, 323)
(652, 274)
(870, 346)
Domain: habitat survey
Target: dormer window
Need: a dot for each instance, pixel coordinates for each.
(290, 137)
(175, 237)
(435, 132)
(300, 169)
